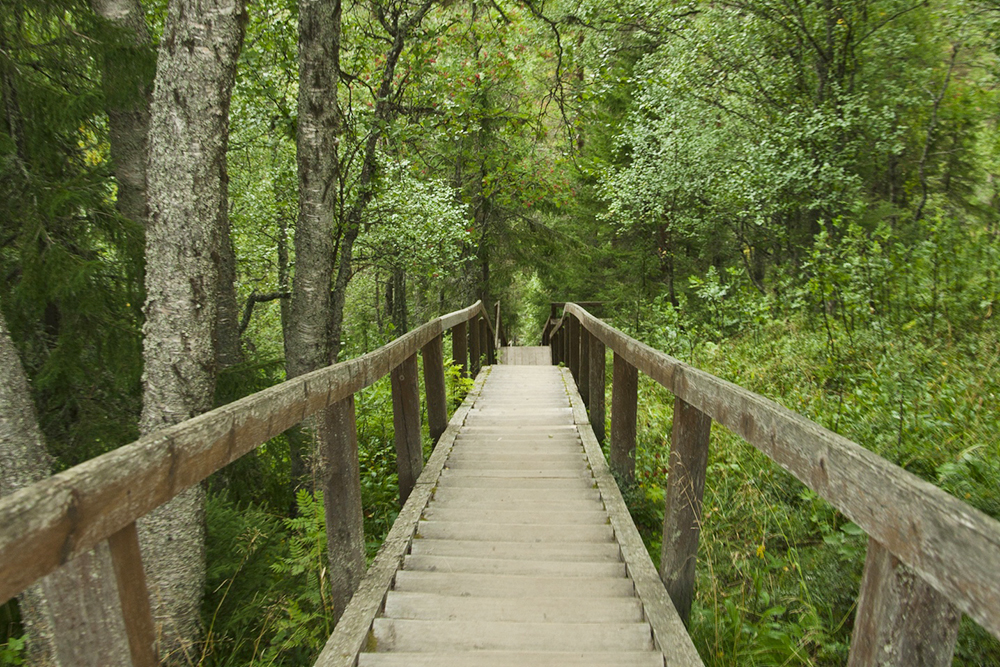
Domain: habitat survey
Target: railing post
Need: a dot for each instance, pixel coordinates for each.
(406, 420)
(126, 559)
(340, 479)
(460, 346)
(437, 397)
(564, 343)
(682, 514)
(474, 352)
(624, 399)
(597, 381)
(901, 620)
(574, 349)
(583, 381)
(484, 340)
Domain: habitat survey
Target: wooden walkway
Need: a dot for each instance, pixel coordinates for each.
(515, 559)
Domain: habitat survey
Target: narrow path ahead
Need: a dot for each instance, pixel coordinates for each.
(515, 561)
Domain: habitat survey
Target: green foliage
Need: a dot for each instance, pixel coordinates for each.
(12, 653)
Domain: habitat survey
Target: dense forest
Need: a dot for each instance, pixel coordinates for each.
(202, 198)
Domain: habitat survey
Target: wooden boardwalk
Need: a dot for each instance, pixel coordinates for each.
(515, 559)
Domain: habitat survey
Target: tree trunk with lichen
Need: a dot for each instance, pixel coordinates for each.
(72, 617)
(188, 137)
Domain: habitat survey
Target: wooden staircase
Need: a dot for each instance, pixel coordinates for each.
(515, 560)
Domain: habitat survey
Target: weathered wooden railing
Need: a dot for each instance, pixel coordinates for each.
(930, 558)
(49, 523)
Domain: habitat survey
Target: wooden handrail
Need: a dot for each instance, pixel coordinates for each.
(51, 522)
(952, 547)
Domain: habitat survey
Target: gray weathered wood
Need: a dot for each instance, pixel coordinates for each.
(406, 422)
(68, 514)
(136, 611)
(583, 380)
(950, 545)
(669, 633)
(460, 347)
(682, 514)
(624, 401)
(485, 347)
(573, 342)
(901, 621)
(597, 387)
(351, 633)
(475, 353)
(434, 389)
(340, 479)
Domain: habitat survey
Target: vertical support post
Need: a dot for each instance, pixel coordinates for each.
(474, 353)
(900, 620)
(584, 380)
(597, 382)
(406, 420)
(565, 342)
(484, 340)
(437, 397)
(557, 347)
(624, 400)
(340, 479)
(574, 349)
(460, 346)
(682, 514)
(136, 612)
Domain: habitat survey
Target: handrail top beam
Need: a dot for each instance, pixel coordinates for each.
(954, 547)
(56, 519)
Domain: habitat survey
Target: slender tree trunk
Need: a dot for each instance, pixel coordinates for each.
(307, 346)
(72, 616)
(127, 79)
(187, 190)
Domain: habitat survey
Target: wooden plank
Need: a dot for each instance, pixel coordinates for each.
(573, 343)
(475, 358)
(624, 402)
(682, 514)
(901, 621)
(952, 546)
(597, 387)
(583, 380)
(340, 479)
(460, 346)
(351, 633)
(434, 389)
(669, 633)
(126, 559)
(406, 423)
(67, 514)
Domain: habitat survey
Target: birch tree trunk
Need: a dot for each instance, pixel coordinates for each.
(72, 617)
(127, 84)
(188, 138)
(307, 341)
(307, 346)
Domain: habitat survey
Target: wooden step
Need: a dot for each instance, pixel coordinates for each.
(512, 461)
(512, 585)
(512, 532)
(577, 472)
(560, 551)
(435, 512)
(567, 504)
(419, 636)
(579, 483)
(433, 607)
(542, 568)
(459, 494)
(510, 659)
